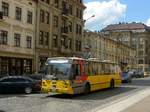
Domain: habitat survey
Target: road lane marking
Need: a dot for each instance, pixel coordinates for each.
(123, 103)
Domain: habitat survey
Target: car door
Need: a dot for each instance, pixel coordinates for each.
(7, 85)
(20, 84)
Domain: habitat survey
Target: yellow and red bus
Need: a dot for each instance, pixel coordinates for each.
(72, 75)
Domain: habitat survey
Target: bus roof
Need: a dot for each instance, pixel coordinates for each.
(77, 58)
(69, 58)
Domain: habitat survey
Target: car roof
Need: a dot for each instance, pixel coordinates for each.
(24, 77)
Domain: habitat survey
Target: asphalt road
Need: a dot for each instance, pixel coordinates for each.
(66, 103)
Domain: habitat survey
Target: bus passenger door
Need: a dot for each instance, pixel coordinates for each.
(77, 82)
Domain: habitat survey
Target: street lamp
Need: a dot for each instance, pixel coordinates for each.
(88, 19)
(87, 46)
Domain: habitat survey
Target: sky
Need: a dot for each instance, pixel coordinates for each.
(114, 11)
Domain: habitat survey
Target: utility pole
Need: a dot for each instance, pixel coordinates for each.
(87, 47)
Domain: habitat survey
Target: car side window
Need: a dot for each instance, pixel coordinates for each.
(8, 80)
(20, 80)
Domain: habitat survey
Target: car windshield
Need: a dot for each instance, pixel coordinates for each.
(57, 69)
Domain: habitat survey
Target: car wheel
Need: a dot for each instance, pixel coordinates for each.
(28, 90)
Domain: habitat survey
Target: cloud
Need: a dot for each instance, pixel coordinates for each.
(148, 22)
(106, 12)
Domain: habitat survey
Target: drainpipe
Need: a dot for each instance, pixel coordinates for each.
(36, 34)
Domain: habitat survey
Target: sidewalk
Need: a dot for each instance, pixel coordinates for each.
(141, 106)
(137, 102)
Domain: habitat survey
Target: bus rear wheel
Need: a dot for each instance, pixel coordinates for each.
(112, 84)
(87, 89)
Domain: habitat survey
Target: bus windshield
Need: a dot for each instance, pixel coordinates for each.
(58, 69)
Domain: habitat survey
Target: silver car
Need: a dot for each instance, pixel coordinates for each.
(126, 77)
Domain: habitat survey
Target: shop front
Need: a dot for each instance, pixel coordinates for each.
(15, 66)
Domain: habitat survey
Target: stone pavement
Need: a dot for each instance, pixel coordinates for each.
(141, 106)
(137, 102)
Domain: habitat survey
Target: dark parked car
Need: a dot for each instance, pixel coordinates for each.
(126, 77)
(19, 84)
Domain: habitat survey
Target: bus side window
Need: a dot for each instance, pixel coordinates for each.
(94, 69)
(85, 69)
(99, 68)
(89, 68)
(103, 68)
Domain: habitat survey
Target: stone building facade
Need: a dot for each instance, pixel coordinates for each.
(101, 47)
(33, 30)
(17, 36)
(59, 29)
(136, 35)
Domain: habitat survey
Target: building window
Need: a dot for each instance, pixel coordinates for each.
(141, 53)
(69, 43)
(18, 13)
(80, 14)
(80, 29)
(41, 38)
(78, 45)
(47, 17)
(3, 37)
(55, 23)
(77, 28)
(46, 38)
(70, 26)
(27, 66)
(70, 10)
(5, 9)
(47, 1)
(55, 41)
(17, 39)
(141, 61)
(42, 62)
(29, 17)
(29, 41)
(42, 16)
(56, 2)
(4, 66)
(63, 42)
